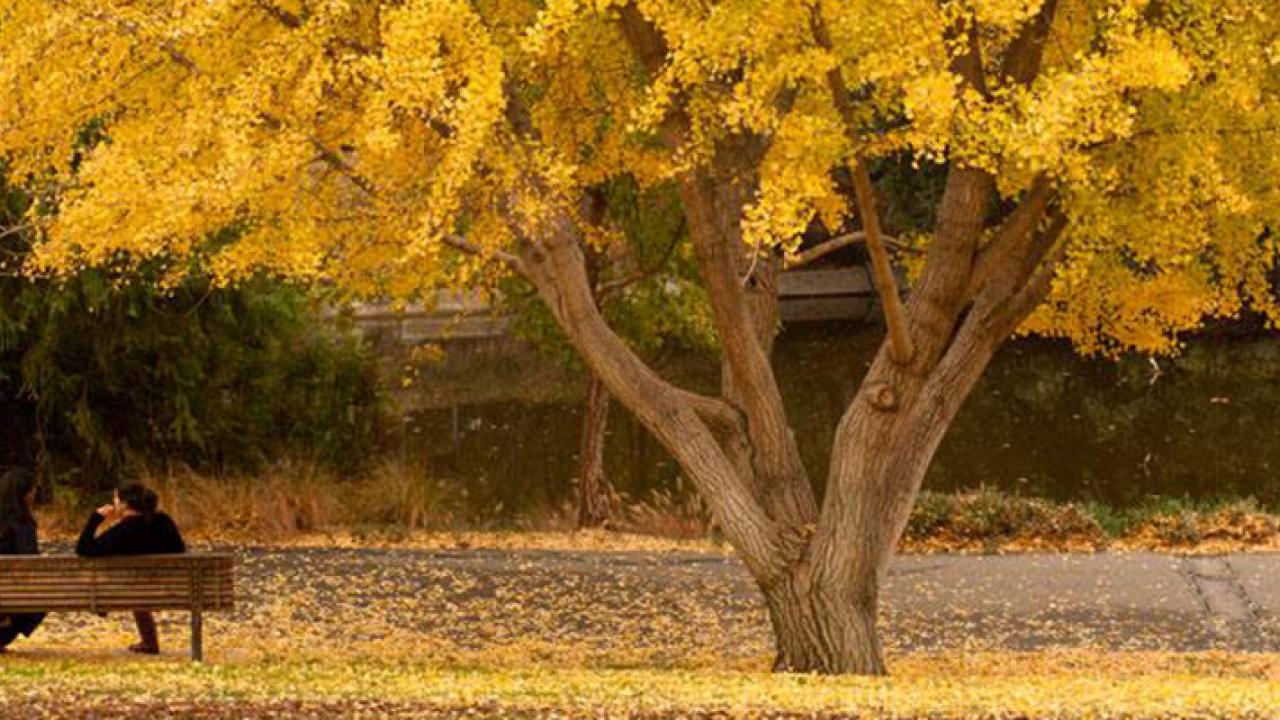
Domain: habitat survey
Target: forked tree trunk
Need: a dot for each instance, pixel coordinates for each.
(595, 496)
(821, 575)
(824, 614)
(820, 569)
(824, 617)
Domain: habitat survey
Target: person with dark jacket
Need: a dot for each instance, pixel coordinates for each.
(17, 537)
(139, 529)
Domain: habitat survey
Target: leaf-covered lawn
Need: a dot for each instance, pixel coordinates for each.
(953, 685)
(396, 633)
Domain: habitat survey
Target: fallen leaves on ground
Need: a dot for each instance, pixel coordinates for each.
(666, 610)
(992, 685)
(398, 633)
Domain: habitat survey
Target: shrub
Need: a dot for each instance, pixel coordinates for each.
(99, 372)
(95, 378)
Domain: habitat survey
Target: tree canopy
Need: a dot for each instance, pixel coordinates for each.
(360, 141)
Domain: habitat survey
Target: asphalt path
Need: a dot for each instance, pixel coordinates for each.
(1121, 601)
(668, 607)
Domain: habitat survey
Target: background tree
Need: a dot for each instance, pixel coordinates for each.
(1111, 162)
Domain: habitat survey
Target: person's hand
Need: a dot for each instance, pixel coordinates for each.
(107, 511)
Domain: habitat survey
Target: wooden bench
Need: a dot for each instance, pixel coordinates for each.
(195, 583)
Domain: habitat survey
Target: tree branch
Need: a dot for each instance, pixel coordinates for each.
(973, 64)
(1013, 233)
(460, 243)
(839, 242)
(723, 418)
(714, 196)
(286, 18)
(17, 229)
(607, 288)
(1025, 55)
(943, 292)
(681, 421)
(895, 315)
(1039, 272)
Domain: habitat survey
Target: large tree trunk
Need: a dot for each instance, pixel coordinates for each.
(595, 496)
(824, 615)
(821, 627)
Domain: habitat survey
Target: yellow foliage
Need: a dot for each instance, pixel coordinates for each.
(345, 141)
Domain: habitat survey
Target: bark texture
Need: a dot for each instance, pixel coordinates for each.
(822, 627)
(595, 496)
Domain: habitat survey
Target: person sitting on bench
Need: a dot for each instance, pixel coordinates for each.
(17, 537)
(139, 529)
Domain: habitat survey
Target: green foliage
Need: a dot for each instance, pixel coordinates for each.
(98, 373)
(910, 192)
(1176, 520)
(1113, 522)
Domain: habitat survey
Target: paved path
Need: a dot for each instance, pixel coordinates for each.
(1125, 601)
(669, 607)
(1116, 600)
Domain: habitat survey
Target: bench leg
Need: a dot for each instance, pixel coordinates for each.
(197, 636)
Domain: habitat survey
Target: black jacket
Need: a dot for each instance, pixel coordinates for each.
(19, 539)
(132, 536)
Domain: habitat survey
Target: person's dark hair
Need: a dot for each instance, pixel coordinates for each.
(140, 499)
(15, 483)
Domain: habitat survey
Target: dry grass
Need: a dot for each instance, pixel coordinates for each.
(1221, 529)
(288, 501)
(396, 504)
(675, 513)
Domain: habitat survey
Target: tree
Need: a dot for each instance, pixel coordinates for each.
(644, 281)
(1109, 162)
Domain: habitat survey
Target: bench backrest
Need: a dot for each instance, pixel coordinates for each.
(34, 583)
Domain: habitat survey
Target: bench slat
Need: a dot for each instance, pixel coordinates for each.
(48, 562)
(61, 583)
(112, 573)
(104, 579)
(115, 590)
(110, 581)
(45, 604)
(35, 583)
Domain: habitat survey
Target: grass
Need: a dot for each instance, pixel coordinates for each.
(1060, 685)
(298, 504)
